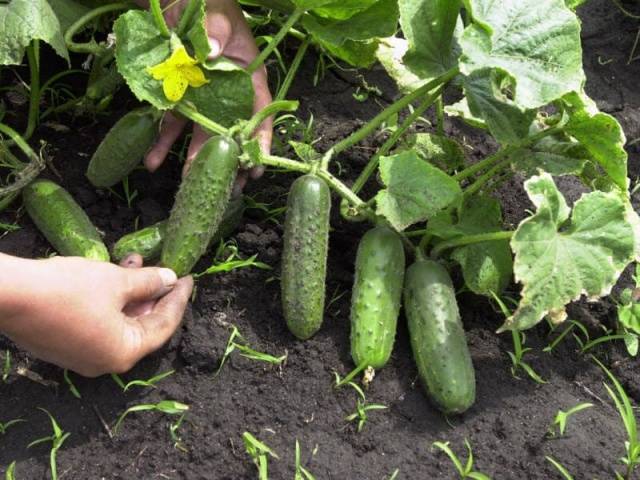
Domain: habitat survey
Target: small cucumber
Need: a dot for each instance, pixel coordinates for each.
(304, 255)
(123, 147)
(437, 337)
(147, 242)
(376, 297)
(200, 204)
(62, 221)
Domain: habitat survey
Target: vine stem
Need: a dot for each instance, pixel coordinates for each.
(469, 240)
(392, 109)
(158, 17)
(271, 109)
(483, 179)
(259, 60)
(206, 123)
(370, 168)
(30, 171)
(33, 57)
(186, 16)
(92, 46)
(293, 69)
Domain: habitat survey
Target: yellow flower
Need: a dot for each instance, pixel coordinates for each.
(177, 73)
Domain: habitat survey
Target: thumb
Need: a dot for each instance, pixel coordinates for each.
(148, 283)
(220, 31)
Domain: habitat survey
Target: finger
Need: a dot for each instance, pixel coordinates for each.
(170, 130)
(264, 132)
(132, 260)
(159, 325)
(144, 284)
(220, 31)
(198, 139)
(240, 183)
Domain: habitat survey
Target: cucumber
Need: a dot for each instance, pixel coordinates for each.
(62, 221)
(148, 241)
(376, 297)
(304, 255)
(123, 147)
(437, 337)
(200, 204)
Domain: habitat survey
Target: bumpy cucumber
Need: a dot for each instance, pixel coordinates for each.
(200, 204)
(437, 337)
(304, 255)
(62, 221)
(376, 296)
(147, 242)
(123, 147)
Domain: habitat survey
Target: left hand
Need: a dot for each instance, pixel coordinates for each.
(231, 37)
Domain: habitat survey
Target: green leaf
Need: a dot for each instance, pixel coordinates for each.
(390, 52)
(415, 190)
(428, 25)
(486, 92)
(358, 54)
(68, 11)
(537, 42)
(226, 98)
(558, 259)
(629, 316)
(487, 266)
(197, 34)
(443, 152)
(462, 111)
(26, 20)
(574, 4)
(343, 9)
(557, 155)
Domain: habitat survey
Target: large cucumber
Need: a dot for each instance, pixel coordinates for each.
(62, 221)
(376, 296)
(304, 255)
(123, 147)
(437, 337)
(200, 204)
(147, 242)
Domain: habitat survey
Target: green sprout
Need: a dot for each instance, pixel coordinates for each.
(150, 383)
(237, 342)
(559, 424)
(231, 261)
(6, 369)
(168, 407)
(362, 407)
(57, 439)
(259, 453)
(5, 426)
(11, 472)
(563, 471)
(466, 470)
(394, 475)
(301, 472)
(625, 409)
(173, 431)
(72, 388)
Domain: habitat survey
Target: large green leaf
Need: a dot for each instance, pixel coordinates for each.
(415, 190)
(428, 25)
(537, 42)
(359, 54)
(390, 52)
(226, 98)
(197, 33)
(68, 11)
(486, 92)
(558, 259)
(557, 155)
(22, 21)
(343, 9)
(439, 150)
(486, 266)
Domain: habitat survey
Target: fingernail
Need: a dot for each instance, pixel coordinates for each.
(215, 47)
(169, 278)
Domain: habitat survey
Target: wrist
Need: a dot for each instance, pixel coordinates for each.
(16, 281)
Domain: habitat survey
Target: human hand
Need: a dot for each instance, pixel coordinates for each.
(88, 316)
(231, 37)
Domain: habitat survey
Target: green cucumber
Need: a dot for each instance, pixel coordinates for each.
(304, 255)
(147, 242)
(437, 337)
(376, 297)
(62, 221)
(200, 204)
(123, 147)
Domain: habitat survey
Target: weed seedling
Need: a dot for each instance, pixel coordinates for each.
(173, 431)
(394, 475)
(57, 439)
(625, 409)
(169, 407)
(6, 369)
(72, 388)
(5, 426)
(259, 453)
(230, 260)
(466, 470)
(301, 472)
(150, 383)
(559, 424)
(563, 471)
(362, 407)
(11, 472)
(237, 342)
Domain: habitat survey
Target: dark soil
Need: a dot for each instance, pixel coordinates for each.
(506, 427)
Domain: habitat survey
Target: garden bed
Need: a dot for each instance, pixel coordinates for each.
(506, 427)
